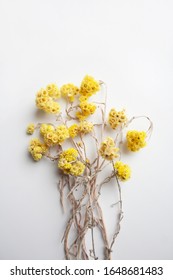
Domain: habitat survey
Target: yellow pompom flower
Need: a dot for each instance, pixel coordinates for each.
(69, 164)
(42, 98)
(77, 168)
(49, 134)
(53, 136)
(108, 150)
(73, 130)
(30, 128)
(70, 155)
(52, 107)
(89, 86)
(45, 102)
(64, 165)
(37, 149)
(45, 128)
(80, 116)
(69, 91)
(123, 171)
(85, 127)
(62, 133)
(53, 91)
(116, 118)
(87, 109)
(136, 140)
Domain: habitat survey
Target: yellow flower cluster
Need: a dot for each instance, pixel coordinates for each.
(87, 109)
(83, 127)
(37, 149)
(53, 91)
(45, 99)
(116, 118)
(69, 91)
(69, 164)
(73, 130)
(77, 168)
(123, 171)
(45, 128)
(136, 140)
(30, 128)
(89, 86)
(52, 135)
(108, 150)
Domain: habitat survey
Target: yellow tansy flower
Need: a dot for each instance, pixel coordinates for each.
(89, 86)
(73, 130)
(136, 140)
(37, 149)
(45, 101)
(69, 91)
(116, 118)
(30, 128)
(53, 91)
(123, 170)
(108, 150)
(69, 164)
(85, 127)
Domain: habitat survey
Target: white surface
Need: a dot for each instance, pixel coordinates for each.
(128, 44)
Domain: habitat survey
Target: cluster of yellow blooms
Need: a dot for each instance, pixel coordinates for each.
(87, 109)
(136, 140)
(52, 135)
(73, 130)
(83, 127)
(108, 150)
(89, 86)
(37, 149)
(69, 164)
(53, 91)
(123, 171)
(30, 128)
(45, 99)
(69, 91)
(116, 118)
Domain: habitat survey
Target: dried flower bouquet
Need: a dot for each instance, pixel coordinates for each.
(80, 168)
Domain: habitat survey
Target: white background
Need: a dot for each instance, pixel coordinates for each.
(128, 44)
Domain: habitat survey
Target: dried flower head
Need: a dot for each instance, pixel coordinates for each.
(73, 130)
(69, 91)
(53, 91)
(46, 103)
(30, 128)
(37, 149)
(136, 140)
(116, 118)
(87, 109)
(46, 128)
(69, 164)
(123, 170)
(85, 127)
(89, 86)
(108, 150)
